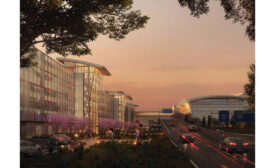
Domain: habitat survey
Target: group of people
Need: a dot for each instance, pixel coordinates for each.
(111, 133)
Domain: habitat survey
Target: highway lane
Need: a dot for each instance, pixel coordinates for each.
(214, 138)
(204, 151)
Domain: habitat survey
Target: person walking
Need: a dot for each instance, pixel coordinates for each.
(89, 135)
(111, 135)
(137, 134)
(86, 135)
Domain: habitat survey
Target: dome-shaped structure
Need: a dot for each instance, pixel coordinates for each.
(203, 106)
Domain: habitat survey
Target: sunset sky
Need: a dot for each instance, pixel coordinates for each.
(175, 57)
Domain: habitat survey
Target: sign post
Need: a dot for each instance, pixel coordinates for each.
(224, 116)
(166, 110)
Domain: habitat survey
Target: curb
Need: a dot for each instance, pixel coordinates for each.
(194, 164)
(251, 135)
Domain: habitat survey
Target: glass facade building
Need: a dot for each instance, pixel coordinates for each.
(44, 89)
(122, 99)
(205, 106)
(107, 105)
(130, 111)
(66, 86)
(88, 87)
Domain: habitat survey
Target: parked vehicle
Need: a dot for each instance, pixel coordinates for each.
(29, 148)
(233, 144)
(186, 137)
(220, 131)
(172, 123)
(193, 128)
(60, 139)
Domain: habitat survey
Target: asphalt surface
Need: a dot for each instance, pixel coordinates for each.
(205, 152)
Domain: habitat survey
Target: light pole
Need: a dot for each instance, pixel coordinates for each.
(159, 116)
(76, 135)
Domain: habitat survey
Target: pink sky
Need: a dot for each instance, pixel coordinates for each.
(176, 56)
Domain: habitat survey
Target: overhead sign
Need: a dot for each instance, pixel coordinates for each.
(166, 110)
(244, 116)
(243, 111)
(224, 116)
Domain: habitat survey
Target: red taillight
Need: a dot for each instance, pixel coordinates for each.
(233, 143)
(245, 144)
(61, 138)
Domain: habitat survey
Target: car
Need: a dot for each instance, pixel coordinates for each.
(172, 123)
(29, 148)
(233, 144)
(220, 131)
(186, 137)
(60, 139)
(193, 128)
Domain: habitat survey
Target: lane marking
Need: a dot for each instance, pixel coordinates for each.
(245, 159)
(240, 157)
(221, 153)
(194, 164)
(215, 147)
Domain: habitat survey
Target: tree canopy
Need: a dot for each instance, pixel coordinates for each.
(242, 11)
(66, 26)
(249, 88)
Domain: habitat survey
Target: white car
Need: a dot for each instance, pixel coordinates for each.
(29, 148)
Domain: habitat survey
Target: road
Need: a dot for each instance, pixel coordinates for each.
(204, 152)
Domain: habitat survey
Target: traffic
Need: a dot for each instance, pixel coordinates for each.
(210, 148)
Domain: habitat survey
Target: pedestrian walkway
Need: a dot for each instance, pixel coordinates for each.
(94, 141)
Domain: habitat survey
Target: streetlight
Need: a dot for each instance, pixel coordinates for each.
(76, 135)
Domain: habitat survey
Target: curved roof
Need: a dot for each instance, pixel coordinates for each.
(212, 97)
(119, 92)
(130, 104)
(101, 68)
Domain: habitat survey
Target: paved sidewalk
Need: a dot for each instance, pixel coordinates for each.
(94, 141)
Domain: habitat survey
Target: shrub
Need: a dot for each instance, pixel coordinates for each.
(160, 152)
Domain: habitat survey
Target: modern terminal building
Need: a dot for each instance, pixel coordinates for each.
(204, 106)
(130, 112)
(44, 89)
(123, 109)
(88, 79)
(68, 87)
(108, 106)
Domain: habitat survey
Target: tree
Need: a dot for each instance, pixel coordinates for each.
(186, 119)
(203, 122)
(209, 121)
(27, 60)
(66, 26)
(249, 88)
(232, 122)
(242, 11)
(215, 122)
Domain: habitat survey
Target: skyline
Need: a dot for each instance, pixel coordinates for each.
(174, 59)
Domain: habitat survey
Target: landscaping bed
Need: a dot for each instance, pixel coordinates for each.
(159, 153)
